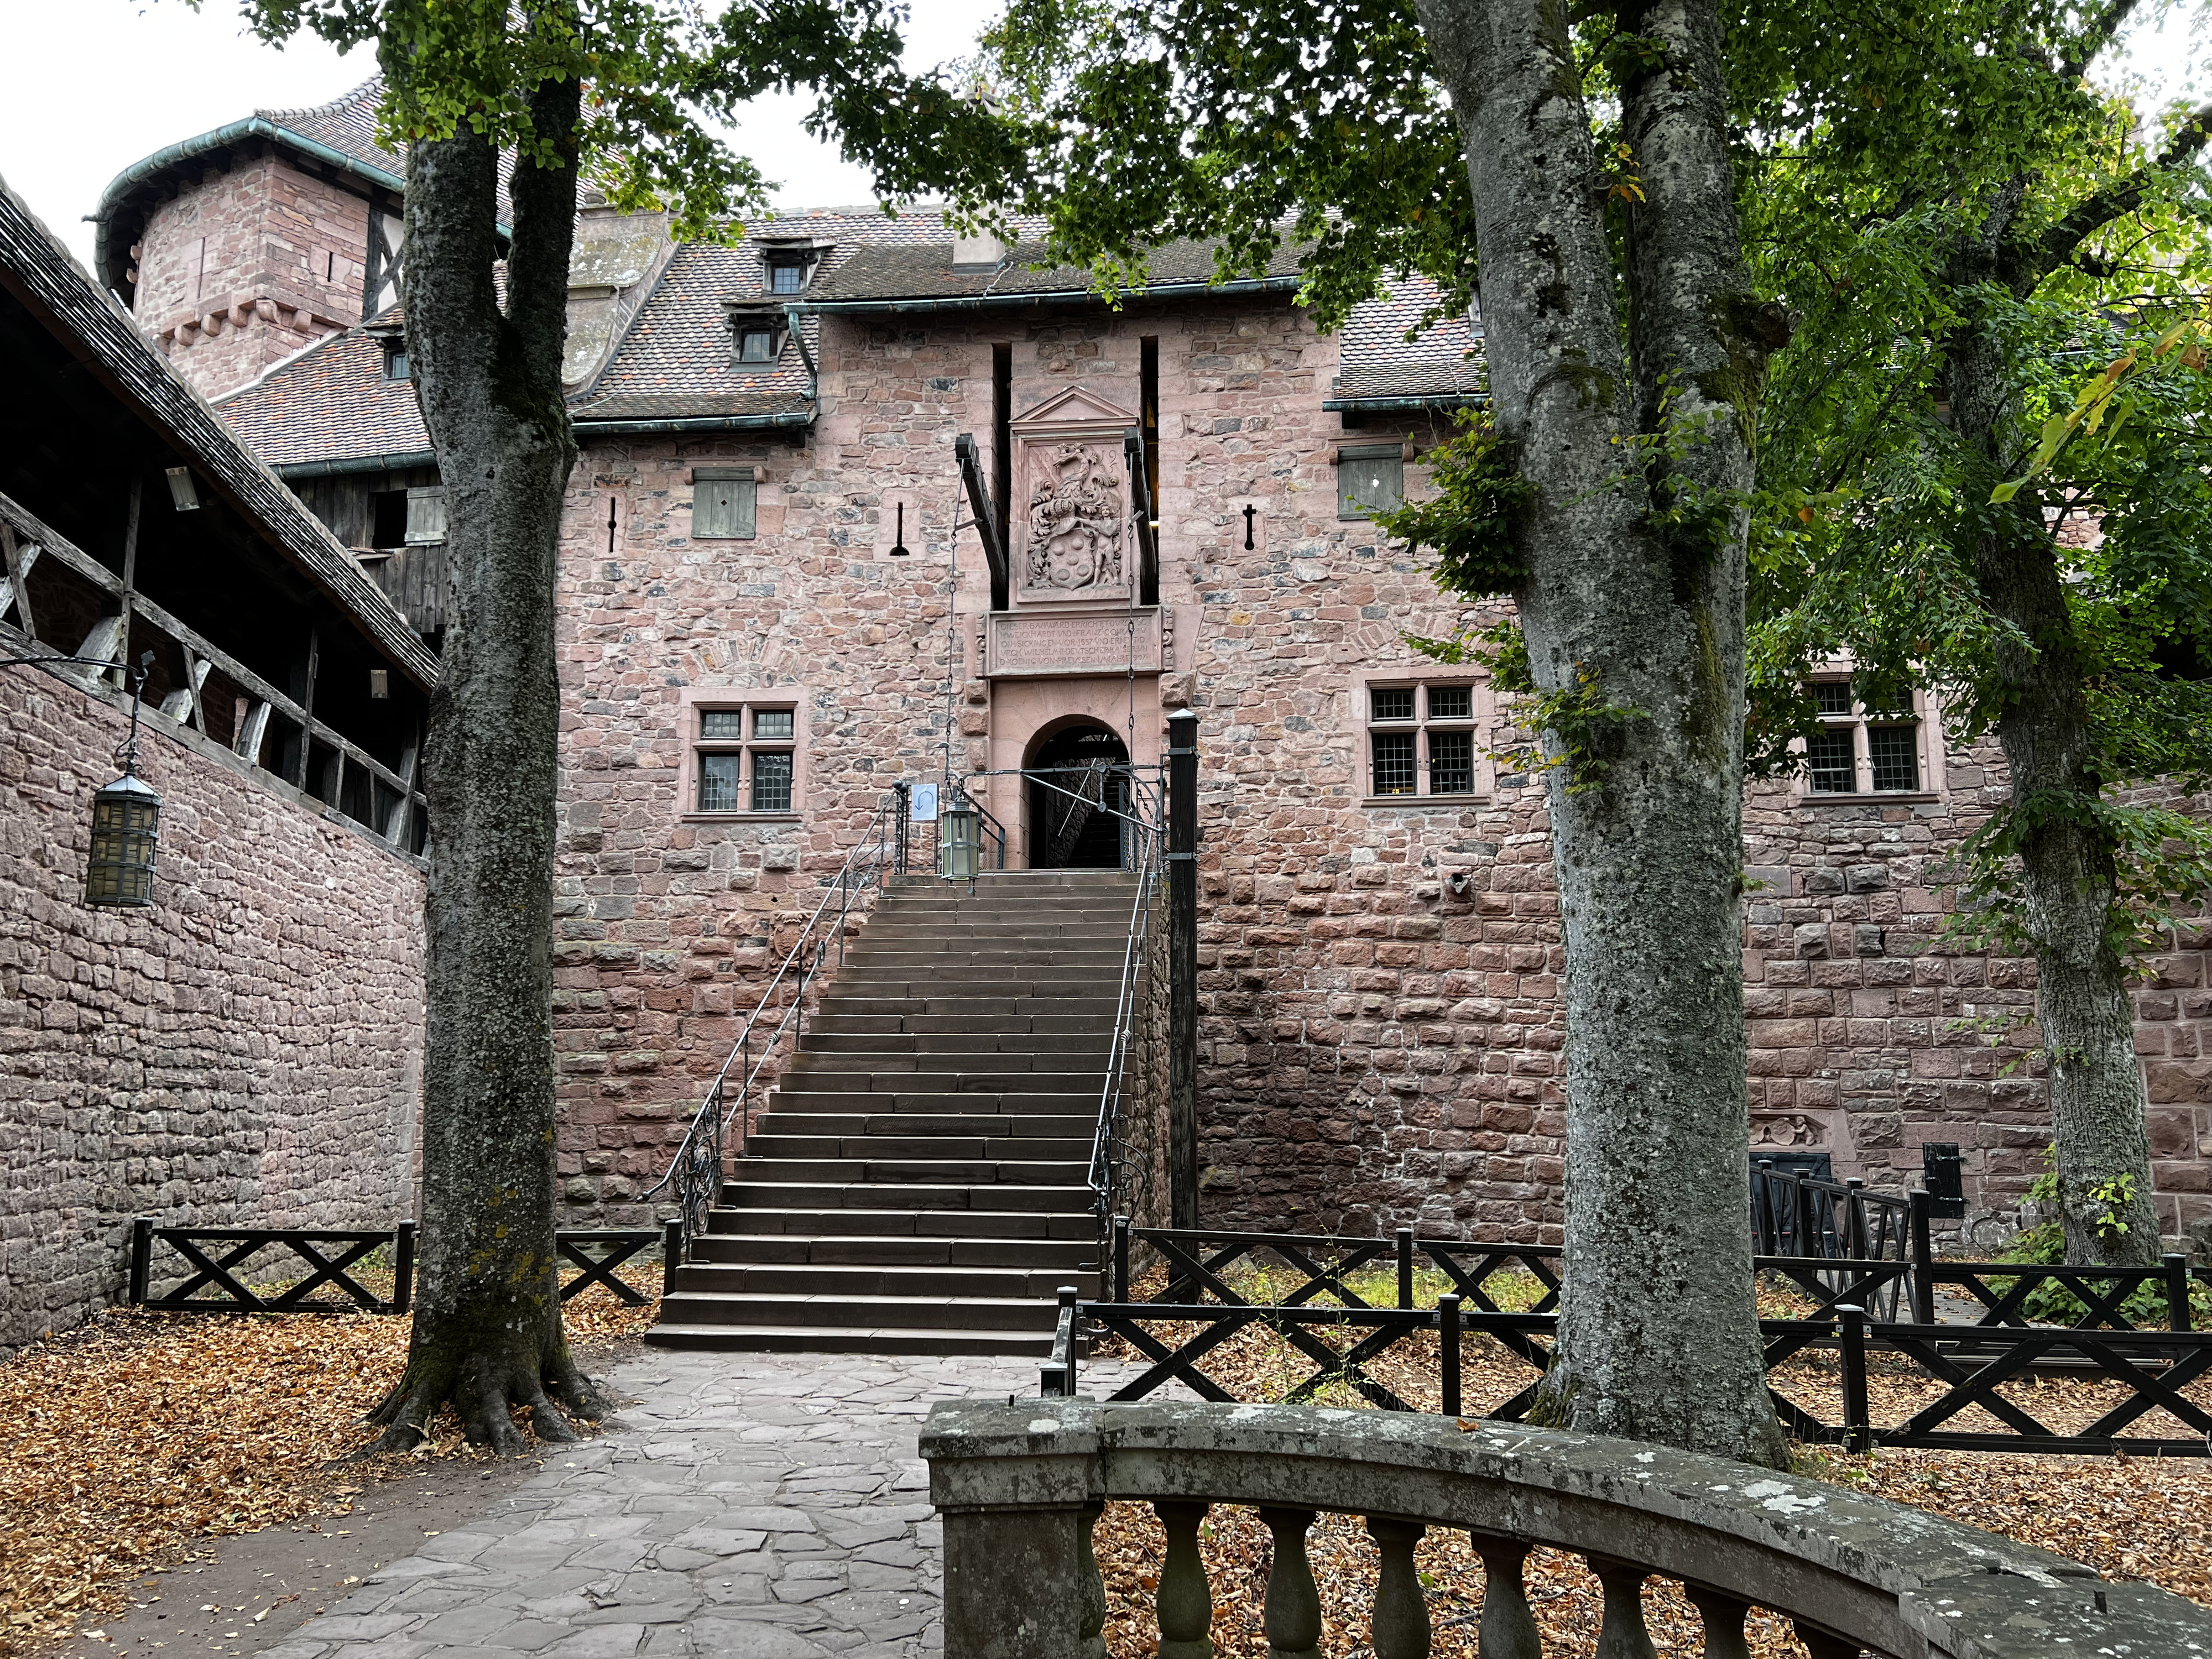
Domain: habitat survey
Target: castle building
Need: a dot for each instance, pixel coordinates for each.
(776, 602)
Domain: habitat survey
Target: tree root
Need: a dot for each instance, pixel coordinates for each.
(487, 1394)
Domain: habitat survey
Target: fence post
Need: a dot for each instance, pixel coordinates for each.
(1851, 1339)
(1762, 1189)
(1851, 1237)
(1183, 968)
(2179, 1317)
(1923, 1263)
(1121, 1258)
(1405, 1267)
(1448, 1339)
(403, 1267)
(142, 1258)
(671, 1253)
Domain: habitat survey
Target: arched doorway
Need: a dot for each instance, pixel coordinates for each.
(1083, 833)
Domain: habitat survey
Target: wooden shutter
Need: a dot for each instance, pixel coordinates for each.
(722, 500)
(426, 514)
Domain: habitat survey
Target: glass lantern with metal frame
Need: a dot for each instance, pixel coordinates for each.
(960, 830)
(126, 814)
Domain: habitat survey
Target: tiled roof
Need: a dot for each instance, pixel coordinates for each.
(347, 123)
(923, 273)
(1377, 360)
(48, 281)
(328, 402)
(675, 362)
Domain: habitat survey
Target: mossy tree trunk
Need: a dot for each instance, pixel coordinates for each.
(1632, 605)
(487, 1335)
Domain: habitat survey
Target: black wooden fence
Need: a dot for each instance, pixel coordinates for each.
(1972, 1359)
(220, 1277)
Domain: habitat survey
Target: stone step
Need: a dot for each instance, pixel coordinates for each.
(847, 1281)
(1041, 929)
(1003, 963)
(965, 984)
(818, 1339)
(844, 1095)
(838, 1005)
(773, 1143)
(948, 1043)
(1061, 1198)
(905, 1223)
(1022, 1313)
(875, 1249)
(931, 1172)
(948, 1074)
(1005, 1127)
(837, 1022)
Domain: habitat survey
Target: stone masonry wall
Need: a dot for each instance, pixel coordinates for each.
(247, 1051)
(249, 266)
(1381, 1032)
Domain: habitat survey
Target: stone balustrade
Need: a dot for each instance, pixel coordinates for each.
(1020, 1483)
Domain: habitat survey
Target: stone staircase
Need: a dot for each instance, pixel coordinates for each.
(920, 1183)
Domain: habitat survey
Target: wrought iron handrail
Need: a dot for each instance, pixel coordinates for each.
(695, 1171)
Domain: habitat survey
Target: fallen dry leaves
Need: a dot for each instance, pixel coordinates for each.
(143, 1433)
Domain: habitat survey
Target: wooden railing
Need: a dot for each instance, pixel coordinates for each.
(25, 541)
(1020, 1485)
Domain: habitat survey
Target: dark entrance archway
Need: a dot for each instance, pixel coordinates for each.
(1083, 833)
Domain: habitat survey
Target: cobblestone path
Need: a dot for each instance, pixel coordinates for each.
(748, 1506)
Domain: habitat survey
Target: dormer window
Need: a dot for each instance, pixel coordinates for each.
(788, 267)
(396, 366)
(757, 337)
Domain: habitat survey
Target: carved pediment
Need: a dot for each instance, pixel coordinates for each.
(1077, 405)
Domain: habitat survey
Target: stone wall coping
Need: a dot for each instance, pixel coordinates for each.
(1896, 1579)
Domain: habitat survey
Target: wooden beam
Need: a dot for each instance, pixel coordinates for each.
(251, 730)
(13, 592)
(395, 824)
(130, 575)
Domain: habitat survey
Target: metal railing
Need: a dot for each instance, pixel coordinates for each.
(1123, 1152)
(696, 1171)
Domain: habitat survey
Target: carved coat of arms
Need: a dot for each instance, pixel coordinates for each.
(1074, 521)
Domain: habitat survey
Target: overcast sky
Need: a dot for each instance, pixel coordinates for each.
(88, 87)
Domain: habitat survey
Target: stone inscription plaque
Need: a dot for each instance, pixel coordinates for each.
(1026, 644)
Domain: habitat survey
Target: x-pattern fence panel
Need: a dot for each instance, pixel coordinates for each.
(1972, 1363)
(221, 1274)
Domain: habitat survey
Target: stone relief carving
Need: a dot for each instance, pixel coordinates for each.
(1793, 1129)
(1076, 520)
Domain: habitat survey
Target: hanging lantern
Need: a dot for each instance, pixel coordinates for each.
(960, 846)
(127, 821)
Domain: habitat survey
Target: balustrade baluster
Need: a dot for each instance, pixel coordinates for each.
(1723, 1617)
(1508, 1629)
(1400, 1620)
(1185, 1604)
(1293, 1604)
(1092, 1629)
(1623, 1636)
(1818, 1644)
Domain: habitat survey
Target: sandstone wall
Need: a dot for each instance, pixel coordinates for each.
(247, 1051)
(247, 267)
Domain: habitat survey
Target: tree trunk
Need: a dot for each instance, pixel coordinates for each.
(487, 1333)
(1632, 605)
(2067, 870)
